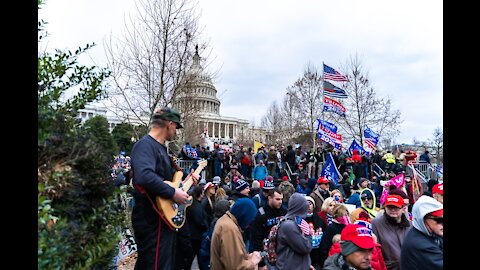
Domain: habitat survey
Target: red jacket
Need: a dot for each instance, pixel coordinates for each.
(377, 262)
(356, 157)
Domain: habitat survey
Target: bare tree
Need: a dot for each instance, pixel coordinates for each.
(437, 144)
(272, 120)
(307, 91)
(150, 60)
(364, 108)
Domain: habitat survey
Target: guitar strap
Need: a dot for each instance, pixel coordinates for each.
(144, 192)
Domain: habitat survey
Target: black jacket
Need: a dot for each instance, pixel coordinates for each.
(266, 218)
(197, 220)
(420, 251)
(326, 243)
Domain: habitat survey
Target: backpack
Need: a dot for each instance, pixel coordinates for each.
(270, 243)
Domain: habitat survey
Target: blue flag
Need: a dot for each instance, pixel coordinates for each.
(371, 138)
(329, 170)
(327, 125)
(355, 146)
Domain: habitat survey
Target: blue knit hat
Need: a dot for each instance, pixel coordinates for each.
(268, 185)
(244, 211)
(241, 185)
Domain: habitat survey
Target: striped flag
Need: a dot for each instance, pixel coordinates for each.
(332, 91)
(331, 74)
(371, 138)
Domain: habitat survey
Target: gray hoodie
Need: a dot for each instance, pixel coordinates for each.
(423, 206)
(293, 247)
(421, 249)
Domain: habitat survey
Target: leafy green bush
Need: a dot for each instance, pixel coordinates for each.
(79, 217)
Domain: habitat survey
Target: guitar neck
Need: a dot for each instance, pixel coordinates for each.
(187, 183)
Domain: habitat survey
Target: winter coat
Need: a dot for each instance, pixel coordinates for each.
(372, 212)
(259, 172)
(326, 243)
(266, 218)
(229, 254)
(227, 248)
(391, 236)
(294, 247)
(377, 262)
(421, 249)
(197, 220)
(319, 195)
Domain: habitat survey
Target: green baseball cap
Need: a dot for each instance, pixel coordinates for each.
(168, 114)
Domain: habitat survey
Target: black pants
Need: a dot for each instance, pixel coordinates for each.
(146, 224)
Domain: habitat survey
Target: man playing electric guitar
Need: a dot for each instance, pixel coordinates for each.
(151, 165)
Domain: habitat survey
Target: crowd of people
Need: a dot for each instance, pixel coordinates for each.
(248, 199)
(333, 232)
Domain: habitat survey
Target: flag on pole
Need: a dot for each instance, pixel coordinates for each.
(257, 145)
(330, 73)
(355, 146)
(371, 138)
(332, 91)
(327, 125)
(329, 170)
(398, 181)
(330, 105)
(416, 184)
(329, 137)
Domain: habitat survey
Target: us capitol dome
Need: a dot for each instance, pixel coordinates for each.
(198, 98)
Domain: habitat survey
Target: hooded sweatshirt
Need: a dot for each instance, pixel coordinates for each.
(293, 247)
(421, 249)
(372, 212)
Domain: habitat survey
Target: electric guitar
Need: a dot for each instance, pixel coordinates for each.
(174, 213)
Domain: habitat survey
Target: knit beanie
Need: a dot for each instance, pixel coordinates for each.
(241, 185)
(348, 247)
(244, 211)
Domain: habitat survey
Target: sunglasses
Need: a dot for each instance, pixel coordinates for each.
(366, 198)
(438, 220)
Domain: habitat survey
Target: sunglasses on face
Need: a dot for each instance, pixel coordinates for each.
(438, 220)
(366, 198)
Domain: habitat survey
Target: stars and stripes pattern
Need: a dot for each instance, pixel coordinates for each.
(371, 138)
(330, 73)
(371, 144)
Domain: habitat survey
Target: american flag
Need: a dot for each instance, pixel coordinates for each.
(371, 144)
(371, 138)
(331, 74)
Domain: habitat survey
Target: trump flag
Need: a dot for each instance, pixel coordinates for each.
(355, 146)
(330, 105)
(325, 124)
(329, 170)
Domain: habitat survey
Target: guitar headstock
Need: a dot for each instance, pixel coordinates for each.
(202, 163)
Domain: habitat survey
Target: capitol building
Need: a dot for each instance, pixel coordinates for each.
(200, 108)
(200, 94)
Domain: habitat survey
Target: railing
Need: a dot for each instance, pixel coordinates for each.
(426, 171)
(185, 165)
(377, 170)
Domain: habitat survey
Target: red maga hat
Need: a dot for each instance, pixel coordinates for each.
(359, 235)
(394, 200)
(438, 213)
(322, 180)
(438, 188)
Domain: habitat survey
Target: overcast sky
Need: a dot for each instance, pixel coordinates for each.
(261, 47)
